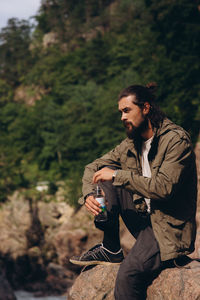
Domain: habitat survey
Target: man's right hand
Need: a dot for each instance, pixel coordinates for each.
(92, 205)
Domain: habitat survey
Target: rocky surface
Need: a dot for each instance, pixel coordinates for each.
(38, 238)
(96, 283)
(29, 94)
(177, 284)
(172, 284)
(28, 253)
(50, 39)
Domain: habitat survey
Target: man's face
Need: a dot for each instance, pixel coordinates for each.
(133, 117)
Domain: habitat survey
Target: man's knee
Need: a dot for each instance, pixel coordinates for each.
(128, 286)
(107, 187)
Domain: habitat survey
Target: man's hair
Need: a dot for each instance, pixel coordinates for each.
(145, 94)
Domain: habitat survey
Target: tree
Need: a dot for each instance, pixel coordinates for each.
(15, 56)
(176, 26)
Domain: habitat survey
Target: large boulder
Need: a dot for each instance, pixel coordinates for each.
(178, 284)
(94, 284)
(27, 251)
(75, 236)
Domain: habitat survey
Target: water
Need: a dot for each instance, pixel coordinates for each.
(23, 295)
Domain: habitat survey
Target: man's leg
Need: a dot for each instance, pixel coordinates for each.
(143, 261)
(119, 201)
(140, 266)
(144, 258)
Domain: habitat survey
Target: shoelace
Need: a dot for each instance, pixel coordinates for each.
(91, 252)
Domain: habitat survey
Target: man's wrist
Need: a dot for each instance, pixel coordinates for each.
(89, 194)
(114, 175)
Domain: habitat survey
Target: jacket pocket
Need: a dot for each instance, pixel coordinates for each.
(174, 229)
(174, 223)
(177, 226)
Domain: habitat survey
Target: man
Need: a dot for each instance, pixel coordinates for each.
(150, 180)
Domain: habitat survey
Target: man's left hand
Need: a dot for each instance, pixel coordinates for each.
(103, 175)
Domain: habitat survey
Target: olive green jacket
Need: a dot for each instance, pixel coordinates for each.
(172, 187)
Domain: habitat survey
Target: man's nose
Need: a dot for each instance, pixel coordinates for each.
(123, 117)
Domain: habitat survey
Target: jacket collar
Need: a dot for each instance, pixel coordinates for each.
(165, 127)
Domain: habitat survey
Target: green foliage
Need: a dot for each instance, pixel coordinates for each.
(177, 26)
(6, 91)
(15, 56)
(76, 118)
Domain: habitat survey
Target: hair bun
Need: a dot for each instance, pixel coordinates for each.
(152, 87)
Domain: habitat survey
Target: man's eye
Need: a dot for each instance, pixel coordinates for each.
(126, 110)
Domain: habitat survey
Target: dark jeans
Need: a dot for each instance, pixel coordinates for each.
(142, 264)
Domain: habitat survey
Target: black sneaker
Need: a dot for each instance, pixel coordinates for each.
(98, 255)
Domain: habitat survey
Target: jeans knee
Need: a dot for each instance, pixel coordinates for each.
(107, 186)
(121, 283)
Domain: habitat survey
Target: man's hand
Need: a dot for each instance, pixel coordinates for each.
(103, 175)
(92, 205)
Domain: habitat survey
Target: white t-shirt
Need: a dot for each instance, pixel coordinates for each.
(146, 171)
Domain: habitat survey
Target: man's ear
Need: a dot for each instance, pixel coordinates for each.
(146, 108)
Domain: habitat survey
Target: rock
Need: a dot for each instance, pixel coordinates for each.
(196, 253)
(14, 222)
(6, 292)
(177, 284)
(49, 39)
(29, 94)
(96, 283)
(92, 33)
(76, 236)
(59, 278)
(28, 230)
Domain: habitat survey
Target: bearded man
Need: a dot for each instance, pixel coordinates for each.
(150, 180)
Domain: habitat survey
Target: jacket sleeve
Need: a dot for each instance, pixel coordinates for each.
(112, 158)
(170, 176)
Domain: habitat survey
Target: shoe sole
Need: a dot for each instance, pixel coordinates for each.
(95, 262)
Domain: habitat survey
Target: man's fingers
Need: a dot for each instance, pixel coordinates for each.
(91, 210)
(103, 175)
(92, 205)
(96, 177)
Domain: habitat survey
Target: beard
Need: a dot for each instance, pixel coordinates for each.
(135, 133)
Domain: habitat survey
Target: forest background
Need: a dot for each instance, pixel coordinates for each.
(59, 82)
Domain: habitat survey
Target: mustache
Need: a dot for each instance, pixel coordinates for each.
(126, 123)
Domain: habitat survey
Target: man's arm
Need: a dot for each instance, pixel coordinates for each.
(168, 180)
(112, 158)
(165, 182)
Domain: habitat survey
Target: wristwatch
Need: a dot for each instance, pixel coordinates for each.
(114, 175)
